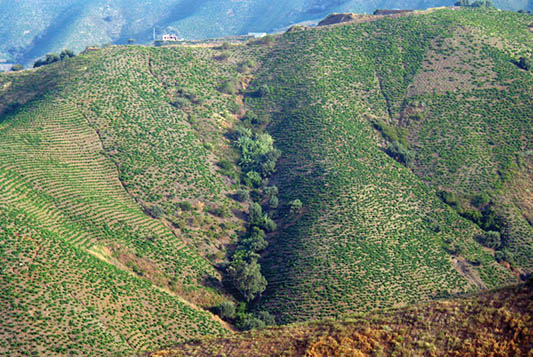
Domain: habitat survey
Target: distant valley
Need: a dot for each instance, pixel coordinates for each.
(30, 29)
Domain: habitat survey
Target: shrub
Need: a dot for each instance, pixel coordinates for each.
(242, 195)
(273, 202)
(246, 277)
(65, 54)
(234, 108)
(266, 317)
(472, 214)
(262, 91)
(229, 87)
(255, 241)
(449, 198)
(252, 179)
(259, 219)
(185, 206)
(481, 200)
(269, 225)
(256, 214)
(49, 59)
(400, 153)
(491, 221)
(524, 63)
(391, 132)
(477, 3)
(295, 206)
(221, 212)
(266, 40)
(180, 103)
(490, 239)
(504, 255)
(247, 322)
(38, 63)
(251, 118)
(226, 310)
(258, 153)
(155, 211)
(246, 66)
(259, 320)
(226, 165)
(241, 131)
(271, 191)
(16, 67)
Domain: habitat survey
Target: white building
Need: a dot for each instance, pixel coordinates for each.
(257, 34)
(169, 37)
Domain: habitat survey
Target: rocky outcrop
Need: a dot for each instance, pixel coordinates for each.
(337, 19)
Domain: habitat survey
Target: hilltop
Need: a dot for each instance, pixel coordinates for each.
(327, 171)
(30, 29)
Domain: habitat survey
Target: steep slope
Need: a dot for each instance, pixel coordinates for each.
(123, 159)
(57, 299)
(166, 134)
(371, 233)
(479, 146)
(30, 29)
(54, 166)
(56, 177)
(498, 322)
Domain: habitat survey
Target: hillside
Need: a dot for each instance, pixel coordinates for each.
(63, 207)
(32, 28)
(373, 232)
(498, 322)
(359, 166)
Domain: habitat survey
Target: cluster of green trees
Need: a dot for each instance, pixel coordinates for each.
(490, 239)
(155, 211)
(398, 146)
(242, 319)
(258, 157)
(53, 57)
(477, 3)
(400, 153)
(480, 210)
(230, 87)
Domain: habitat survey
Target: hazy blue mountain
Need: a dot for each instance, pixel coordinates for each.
(31, 28)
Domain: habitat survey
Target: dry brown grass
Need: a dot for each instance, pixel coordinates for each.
(496, 323)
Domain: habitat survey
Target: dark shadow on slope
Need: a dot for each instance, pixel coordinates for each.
(51, 36)
(180, 11)
(183, 10)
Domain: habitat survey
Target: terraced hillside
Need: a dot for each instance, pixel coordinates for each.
(55, 175)
(166, 135)
(498, 322)
(57, 299)
(54, 167)
(371, 232)
(126, 160)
